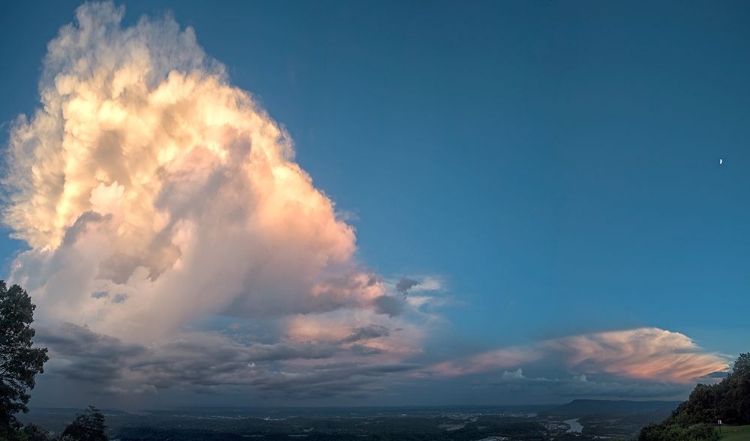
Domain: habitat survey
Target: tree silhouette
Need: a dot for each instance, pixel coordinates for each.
(728, 401)
(19, 362)
(33, 432)
(87, 426)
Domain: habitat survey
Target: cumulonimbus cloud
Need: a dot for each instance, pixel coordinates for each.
(154, 195)
(151, 191)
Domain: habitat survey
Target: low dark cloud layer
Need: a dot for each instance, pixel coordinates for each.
(205, 361)
(366, 333)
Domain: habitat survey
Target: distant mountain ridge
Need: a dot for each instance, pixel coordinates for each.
(582, 408)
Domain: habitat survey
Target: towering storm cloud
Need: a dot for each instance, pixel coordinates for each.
(162, 204)
(164, 190)
(174, 242)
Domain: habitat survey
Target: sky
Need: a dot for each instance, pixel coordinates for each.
(377, 203)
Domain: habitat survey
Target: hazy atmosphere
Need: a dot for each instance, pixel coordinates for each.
(377, 203)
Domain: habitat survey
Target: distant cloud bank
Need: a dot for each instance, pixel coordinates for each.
(649, 354)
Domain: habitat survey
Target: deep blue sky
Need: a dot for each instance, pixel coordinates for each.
(556, 163)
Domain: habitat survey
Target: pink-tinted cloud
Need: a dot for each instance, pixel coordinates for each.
(156, 196)
(146, 177)
(487, 362)
(643, 354)
(650, 354)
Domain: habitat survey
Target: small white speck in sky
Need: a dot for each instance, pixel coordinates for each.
(721, 161)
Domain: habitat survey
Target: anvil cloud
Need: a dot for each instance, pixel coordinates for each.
(637, 354)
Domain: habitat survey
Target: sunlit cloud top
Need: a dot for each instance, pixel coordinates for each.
(649, 354)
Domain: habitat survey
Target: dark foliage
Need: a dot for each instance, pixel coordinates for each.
(32, 432)
(693, 419)
(87, 426)
(19, 361)
(674, 432)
